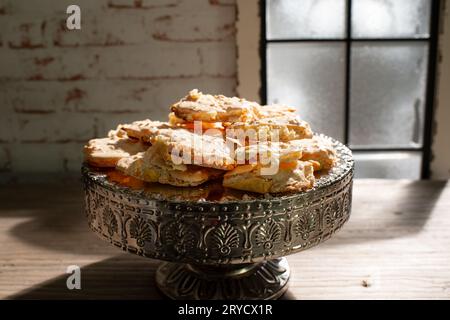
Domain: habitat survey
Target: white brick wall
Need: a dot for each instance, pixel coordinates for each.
(130, 61)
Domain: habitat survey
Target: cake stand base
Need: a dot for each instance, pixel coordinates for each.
(262, 281)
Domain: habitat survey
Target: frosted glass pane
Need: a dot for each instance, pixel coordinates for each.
(387, 100)
(305, 19)
(310, 76)
(388, 165)
(390, 18)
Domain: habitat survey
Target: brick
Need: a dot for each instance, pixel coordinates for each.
(111, 121)
(166, 92)
(147, 62)
(226, 86)
(66, 64)
(39, 97)
(7, 129)
(223, 2)
(45, 97)
(161, 3)
(5, 158)
(141, 4)
(50, 7)
(124, 96)
(131, 61)
(28, 157)
(72, 157)
(122, 3)
(119, 27)
(109, 29)
(31, 97)
(33, 158)
(150, 98)
(135, 62)
(25, 33)
(190, 24)
(218, 59)
(61, 127)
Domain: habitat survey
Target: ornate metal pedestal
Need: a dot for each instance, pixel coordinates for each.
(220, 250)
(264, 280)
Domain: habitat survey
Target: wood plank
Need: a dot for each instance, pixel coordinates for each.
(395, 246)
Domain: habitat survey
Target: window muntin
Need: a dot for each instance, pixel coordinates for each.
(376, 97)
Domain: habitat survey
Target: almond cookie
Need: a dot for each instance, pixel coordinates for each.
(267, 151)
(197, 106)
(207, 150)
(106, 152)
(317, 150)
(150, 166)
(292, 176)
(174, 121)
(144, 129)
(274, 110)
(282, 128)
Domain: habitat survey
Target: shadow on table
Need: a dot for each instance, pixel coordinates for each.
(121, 277)
(52, 217)
(288, 295)
(101, 280)
(382, 213)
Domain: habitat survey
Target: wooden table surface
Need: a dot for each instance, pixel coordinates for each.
(395, 246)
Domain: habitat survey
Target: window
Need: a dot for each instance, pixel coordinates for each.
(361, 71)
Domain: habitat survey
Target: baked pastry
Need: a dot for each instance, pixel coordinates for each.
(237, 143)
(318, 151)
(152, 166)
(208, 150)
(268, 152)
(197, 106)
(144, 129)
(274, 110)
(292, 176)
(106, 152)
(174, 121)
(270, 167)
(284, 128)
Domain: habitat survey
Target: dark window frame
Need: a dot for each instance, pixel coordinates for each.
(432, 41)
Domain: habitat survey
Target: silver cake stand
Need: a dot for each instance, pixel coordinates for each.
(231, 249)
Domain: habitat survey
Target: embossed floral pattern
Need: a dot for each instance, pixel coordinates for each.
(268, 234)
(110, 221)
(305, 225)
(90, 206)
(140, 230)
(224, 238)
(266, 281)
(180, 237)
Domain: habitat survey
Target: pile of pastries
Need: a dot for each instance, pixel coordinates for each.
(241, 144)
